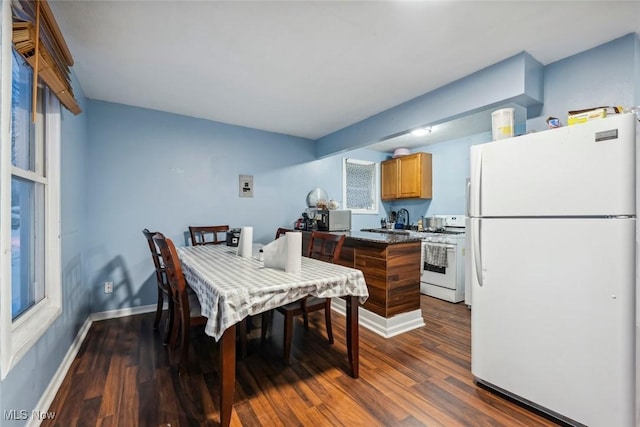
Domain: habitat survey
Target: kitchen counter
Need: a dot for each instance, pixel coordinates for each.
(380, 237)
(390, 261)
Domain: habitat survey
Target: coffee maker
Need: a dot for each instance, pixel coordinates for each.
(307, 221)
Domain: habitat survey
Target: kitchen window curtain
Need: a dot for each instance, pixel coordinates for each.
(37, 37)
(360, 188)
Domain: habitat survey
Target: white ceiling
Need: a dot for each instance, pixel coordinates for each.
(309, 68)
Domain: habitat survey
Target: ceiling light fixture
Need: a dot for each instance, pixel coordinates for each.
(421, 131)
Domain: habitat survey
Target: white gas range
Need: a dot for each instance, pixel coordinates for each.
(442, 267)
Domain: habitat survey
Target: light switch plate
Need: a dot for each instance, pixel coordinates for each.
(246, 186)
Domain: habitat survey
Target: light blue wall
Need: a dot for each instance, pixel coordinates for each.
(126, 168)
(149, 169)
(450, 170)
(516, 80)
(605, 75)
(26, 382)
(137, 155)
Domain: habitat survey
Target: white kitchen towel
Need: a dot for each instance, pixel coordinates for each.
(436, 255)
(274, 253)
(245, 244)
(284, 253)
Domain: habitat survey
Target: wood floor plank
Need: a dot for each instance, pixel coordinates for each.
(121, 377)
(129, 403)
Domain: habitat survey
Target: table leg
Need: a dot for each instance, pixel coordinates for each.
(227, 374)
(353, 343)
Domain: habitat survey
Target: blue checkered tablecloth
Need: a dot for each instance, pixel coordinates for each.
(230, 287)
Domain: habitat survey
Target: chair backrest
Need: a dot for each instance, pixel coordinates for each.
(173, 268)
(325, 246)
(280, 231)
(207, 235)
(156, 257)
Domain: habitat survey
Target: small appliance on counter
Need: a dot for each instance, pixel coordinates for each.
(333, 220)
(233, 237)
(305, 222)
(402, 219)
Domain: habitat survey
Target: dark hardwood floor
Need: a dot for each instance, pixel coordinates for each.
(121, 377)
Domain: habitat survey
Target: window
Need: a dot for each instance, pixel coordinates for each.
(30, 194)
(360, 186)
(28, 182)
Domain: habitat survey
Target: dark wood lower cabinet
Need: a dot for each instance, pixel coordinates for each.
(391, 269)
(392, 272)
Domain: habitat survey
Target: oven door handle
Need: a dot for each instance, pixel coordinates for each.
(445, 245)
(423, 252)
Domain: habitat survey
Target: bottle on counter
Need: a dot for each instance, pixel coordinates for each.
(420, 224)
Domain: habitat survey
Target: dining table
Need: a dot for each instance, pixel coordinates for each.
(230, 287)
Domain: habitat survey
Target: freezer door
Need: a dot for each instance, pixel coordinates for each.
(581, 170)
(553, 314)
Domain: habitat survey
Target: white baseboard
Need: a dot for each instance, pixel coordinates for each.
(122, 312)
(50, 392)
(386, 327)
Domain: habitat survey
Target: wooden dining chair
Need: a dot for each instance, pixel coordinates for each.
(163, 284)
(325, 247)
(185, 304)
(281, 231)
(208, 235)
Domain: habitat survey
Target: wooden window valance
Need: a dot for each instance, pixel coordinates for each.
(37, 37)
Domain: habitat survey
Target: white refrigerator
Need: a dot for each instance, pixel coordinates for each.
(553, 270)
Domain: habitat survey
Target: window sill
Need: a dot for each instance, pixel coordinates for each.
(28, 331)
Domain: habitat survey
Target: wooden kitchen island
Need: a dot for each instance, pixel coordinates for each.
(391, 267)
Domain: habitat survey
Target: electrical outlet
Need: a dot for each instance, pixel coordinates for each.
(108, 287)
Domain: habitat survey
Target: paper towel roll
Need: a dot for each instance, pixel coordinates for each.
(246, 242)
(293, 260)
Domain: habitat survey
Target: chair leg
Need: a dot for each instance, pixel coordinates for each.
(267, 316)
(170, 323)
(305, 317)
(249, 324)
(173, 341)
(327, 318)
(242, 336)
(159, 305)
(184, 344)
(288, 332)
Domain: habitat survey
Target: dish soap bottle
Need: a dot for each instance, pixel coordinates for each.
(420, 223)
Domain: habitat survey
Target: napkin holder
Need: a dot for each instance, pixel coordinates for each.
(233, 237)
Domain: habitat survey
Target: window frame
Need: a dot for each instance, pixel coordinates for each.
(375, 187)
(17, 337)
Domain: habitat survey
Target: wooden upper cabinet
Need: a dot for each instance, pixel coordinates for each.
(406, 177)
(389, 180)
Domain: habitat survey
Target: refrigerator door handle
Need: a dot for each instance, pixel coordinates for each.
(475, 190)
(477, 257)
(468, 197)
